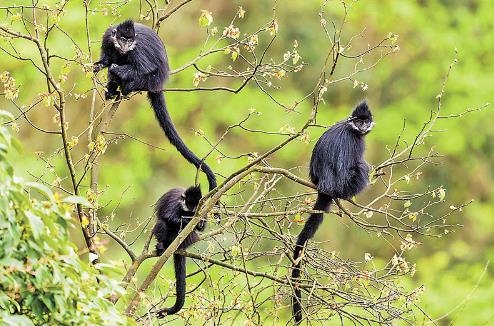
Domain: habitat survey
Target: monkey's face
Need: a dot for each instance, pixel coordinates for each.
(361, 119)
(190, 198)
(362, 126)
(123, 39)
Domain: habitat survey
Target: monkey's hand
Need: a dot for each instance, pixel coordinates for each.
(97, 67)
(114, 69)
(201, 225)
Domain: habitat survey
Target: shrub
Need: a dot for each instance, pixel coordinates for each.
(42, 279)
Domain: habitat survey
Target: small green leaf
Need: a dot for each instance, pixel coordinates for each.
(44, 190)
(407, 204)
(16, 320)
(235, 251)
(442, 193)
(17, 145)
(206, 18)
(48, 302)
(36, 223)
(77, 200)
(6, 116)
(297, 218)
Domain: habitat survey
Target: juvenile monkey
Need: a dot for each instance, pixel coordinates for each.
(174, 211)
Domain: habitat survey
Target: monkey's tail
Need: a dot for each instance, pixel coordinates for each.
(179, 262)
(158, 103)
(323, 202)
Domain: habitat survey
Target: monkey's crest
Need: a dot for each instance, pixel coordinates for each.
(362, 111)
(192, 196)
(126, 29)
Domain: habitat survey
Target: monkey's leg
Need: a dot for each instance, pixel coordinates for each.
(160, 248)
(128, 87)
(112, 86)
(111, 90)
(133, 85)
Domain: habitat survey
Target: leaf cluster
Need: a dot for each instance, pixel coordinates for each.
(42, 279)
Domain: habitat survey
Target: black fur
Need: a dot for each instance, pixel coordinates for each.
(174, 211)
(338, 169)
(137, 61)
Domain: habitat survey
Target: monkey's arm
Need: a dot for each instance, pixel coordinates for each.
(103, 62)
(186, 219)
(179, 219)
(138, 66)
(125, 72)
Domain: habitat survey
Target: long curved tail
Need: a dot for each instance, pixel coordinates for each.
(158, 103)
(313, 222)
(179, 262)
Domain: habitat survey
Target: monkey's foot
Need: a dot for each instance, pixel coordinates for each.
(217, 214)
(160, 249)
(111, 95)
(127, 90)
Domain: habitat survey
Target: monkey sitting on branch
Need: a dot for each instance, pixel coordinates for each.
(137, 61)
(338, 169)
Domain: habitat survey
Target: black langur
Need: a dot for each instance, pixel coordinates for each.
(174, 211)
(137, 61)
(338, 169)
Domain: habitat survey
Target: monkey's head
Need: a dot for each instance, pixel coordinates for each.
(361, 119)
(191, 197)
(123, 37)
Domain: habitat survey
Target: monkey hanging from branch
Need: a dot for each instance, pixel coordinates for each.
(137, 61)
(338, 169)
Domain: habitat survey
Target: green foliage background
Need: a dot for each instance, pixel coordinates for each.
(402, 86)
(42, 279)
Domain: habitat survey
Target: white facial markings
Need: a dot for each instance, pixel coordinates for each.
(363, 128)
(372, 124)
(184, 206)
(352, 124)
(123, 45)
(132, 46)
(115, 43)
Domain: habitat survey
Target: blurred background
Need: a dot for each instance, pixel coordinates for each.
(454, 269)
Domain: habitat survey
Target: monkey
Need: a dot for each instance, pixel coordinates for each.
(137, 61)
(338, 169)
(174, 210)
